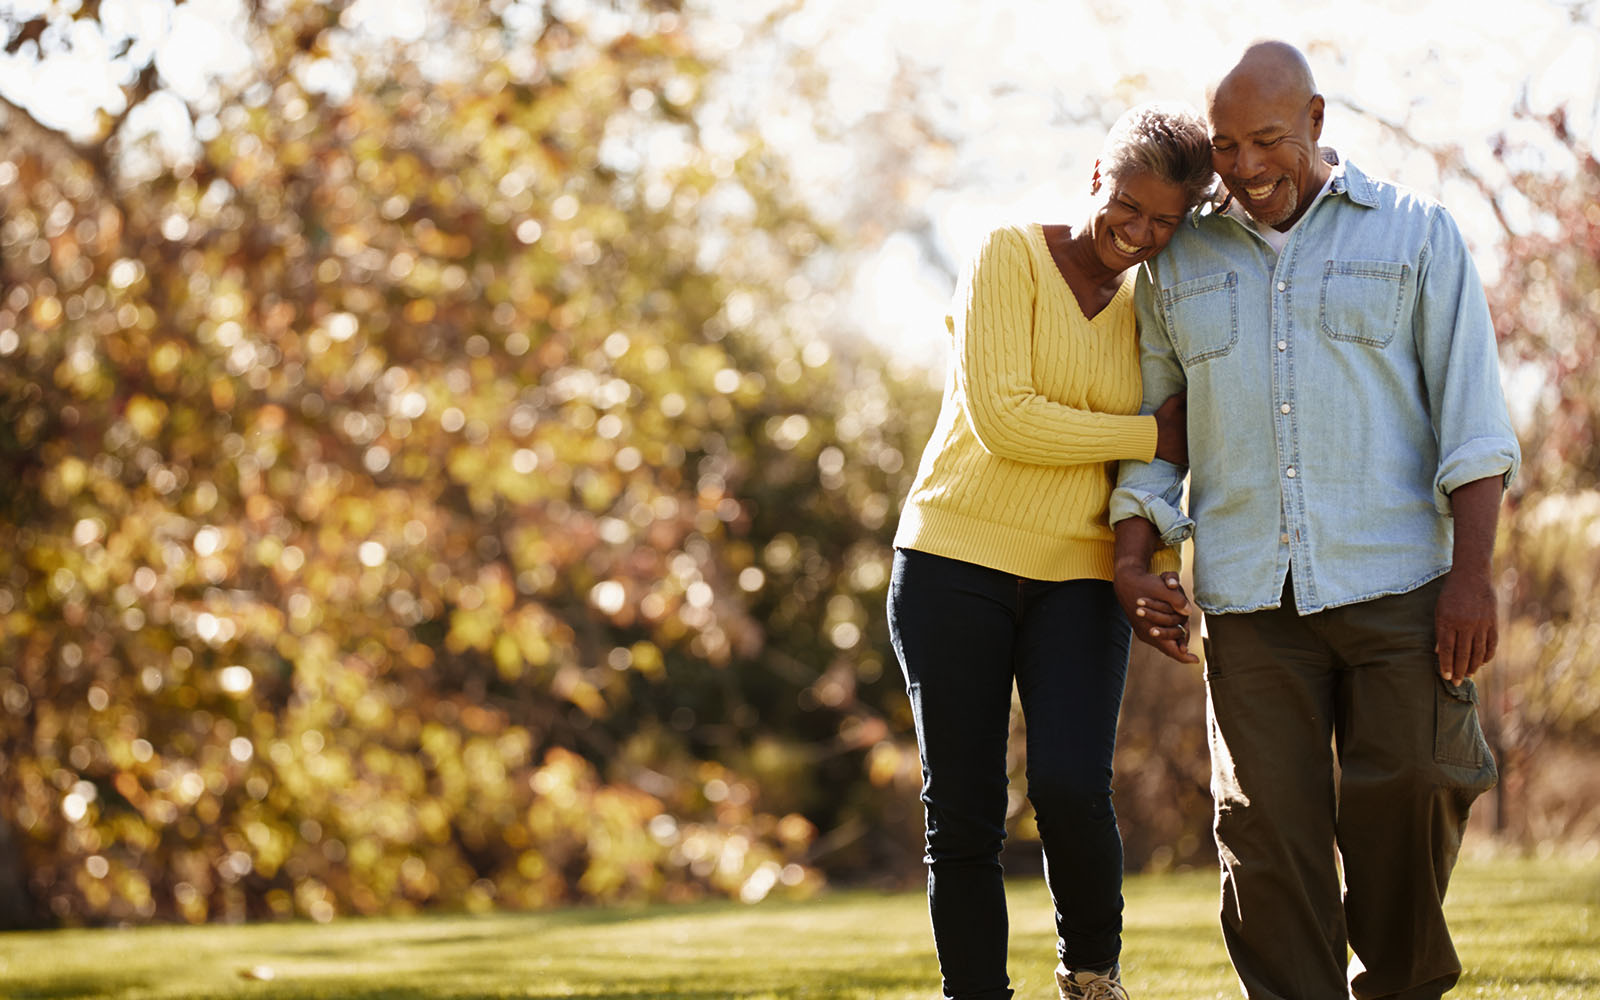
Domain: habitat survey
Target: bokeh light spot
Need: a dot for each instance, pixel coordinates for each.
(236, 680)
(609, 596)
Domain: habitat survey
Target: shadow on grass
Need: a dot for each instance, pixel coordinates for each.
(844, 983)
(69, 988)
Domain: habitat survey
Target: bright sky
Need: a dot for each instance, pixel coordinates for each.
(1019, 90)
(997, 77)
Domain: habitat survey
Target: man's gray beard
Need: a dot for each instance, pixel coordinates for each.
(1290, 205)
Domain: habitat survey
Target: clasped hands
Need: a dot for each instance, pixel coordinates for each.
(1158, 609)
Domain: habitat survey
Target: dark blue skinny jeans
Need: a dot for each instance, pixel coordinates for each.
(963, 634)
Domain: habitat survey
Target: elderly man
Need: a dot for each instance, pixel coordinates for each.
(1349, 443)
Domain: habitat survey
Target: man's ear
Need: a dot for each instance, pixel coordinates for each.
(1318, 106)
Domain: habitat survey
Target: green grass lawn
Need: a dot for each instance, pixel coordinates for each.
(1528, 930)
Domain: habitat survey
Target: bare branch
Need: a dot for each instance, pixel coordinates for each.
(1448, 159)
(30, 31)
(145, 84)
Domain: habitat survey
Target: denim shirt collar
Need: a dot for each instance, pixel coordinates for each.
(1353, 182)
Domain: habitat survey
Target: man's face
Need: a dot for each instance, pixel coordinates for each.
(1264, 147)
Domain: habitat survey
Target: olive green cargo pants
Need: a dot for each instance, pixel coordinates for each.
(1334, 730)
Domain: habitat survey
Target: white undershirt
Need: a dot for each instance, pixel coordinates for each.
(1275, 239)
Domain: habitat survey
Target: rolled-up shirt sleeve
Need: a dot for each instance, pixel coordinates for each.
(1455, 339)
(1153, 490)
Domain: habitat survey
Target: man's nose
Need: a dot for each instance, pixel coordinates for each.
(1246, 161)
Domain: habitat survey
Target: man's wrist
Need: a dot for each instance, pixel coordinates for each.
(1136, 543)
(1130, 566)
(1471, 570)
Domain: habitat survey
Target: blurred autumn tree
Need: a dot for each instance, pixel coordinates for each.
(438, 485)
(434, 488)
(1545, 684)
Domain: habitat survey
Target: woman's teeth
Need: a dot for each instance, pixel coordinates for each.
(1127, 248)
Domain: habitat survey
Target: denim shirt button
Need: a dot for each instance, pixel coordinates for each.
(1283, 286)
(1284, 408)
(1291, 472)
(1284, 538)
(1283, 345)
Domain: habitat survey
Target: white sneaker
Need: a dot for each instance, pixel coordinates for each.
(1089, 985)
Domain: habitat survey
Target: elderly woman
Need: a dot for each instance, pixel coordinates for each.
(1003, 557)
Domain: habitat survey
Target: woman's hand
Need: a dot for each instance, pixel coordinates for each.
(1172, 429)
(1158, 610)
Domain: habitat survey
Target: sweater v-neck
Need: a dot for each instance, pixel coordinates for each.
(1124, 289)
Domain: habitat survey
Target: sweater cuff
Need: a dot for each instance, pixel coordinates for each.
(1167, 560)
(1146, 439)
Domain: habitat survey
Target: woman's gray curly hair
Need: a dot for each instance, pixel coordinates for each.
(1167, 139)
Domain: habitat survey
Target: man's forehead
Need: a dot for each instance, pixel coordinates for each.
(1252, 110)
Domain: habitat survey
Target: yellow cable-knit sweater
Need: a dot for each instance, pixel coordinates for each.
(1040, 404)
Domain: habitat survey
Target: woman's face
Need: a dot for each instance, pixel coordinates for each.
(1137, 218)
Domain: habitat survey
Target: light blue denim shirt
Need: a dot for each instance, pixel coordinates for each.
(1337, 393)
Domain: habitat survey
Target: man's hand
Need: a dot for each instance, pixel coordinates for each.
(1158, 610)
(1466, 632)
(1465, 625)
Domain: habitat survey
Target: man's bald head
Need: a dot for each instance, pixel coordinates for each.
(1272, 66)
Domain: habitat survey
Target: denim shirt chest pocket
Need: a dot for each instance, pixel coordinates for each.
(1362, 300)
(1202, 316)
